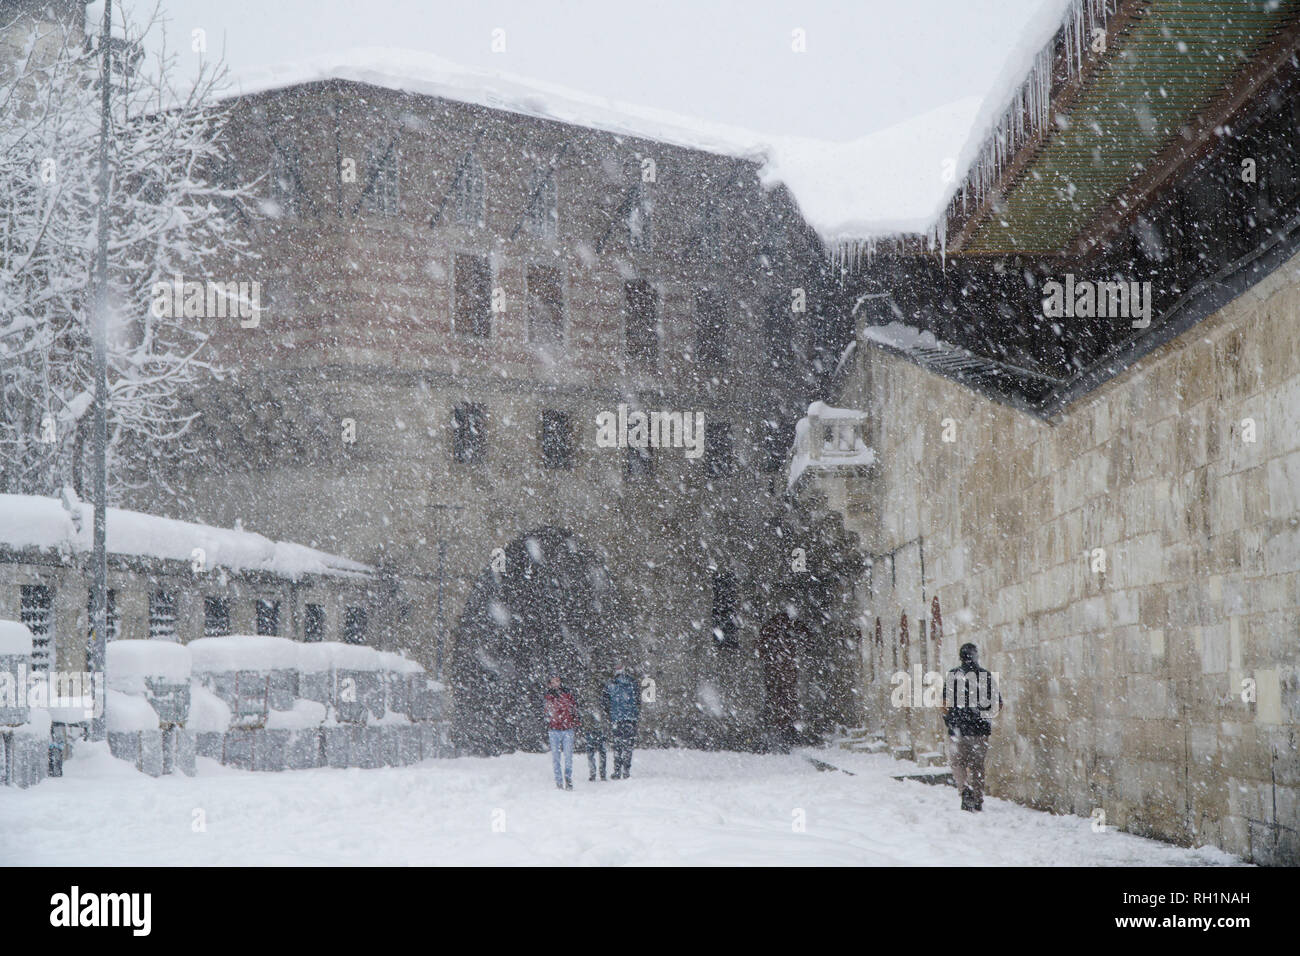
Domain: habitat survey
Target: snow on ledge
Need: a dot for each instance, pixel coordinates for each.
(15, 639)
(893, 181)
(33, 521)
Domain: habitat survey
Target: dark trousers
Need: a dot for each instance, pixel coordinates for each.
(624, 739)
(596, 743)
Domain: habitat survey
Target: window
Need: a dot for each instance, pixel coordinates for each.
(776, 443)
(467, 193)
(642, 323)
(110, 619)
(640, 462)
(778, 332)
(381, 186)
(542, 216)
(545, 305)
(354, 625)
(313, 623)
(724, 609)
(36, 611)
(162, 616)
(216, 616)
(710, 329)
(472, 295)
(268, 617)
(557, 439)
(718, 451)
(640, 220)
(469, 441)
(286, 181)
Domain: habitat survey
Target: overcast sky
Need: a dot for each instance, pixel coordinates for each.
(868, 64)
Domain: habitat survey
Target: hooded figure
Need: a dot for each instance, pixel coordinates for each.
(623, 705)
(970, 700)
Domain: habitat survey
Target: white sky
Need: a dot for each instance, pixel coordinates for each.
(869, 63)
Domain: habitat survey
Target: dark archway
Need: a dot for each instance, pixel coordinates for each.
(552, 609)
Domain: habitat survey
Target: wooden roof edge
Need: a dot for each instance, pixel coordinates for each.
(1141, 191)
(1066, 86)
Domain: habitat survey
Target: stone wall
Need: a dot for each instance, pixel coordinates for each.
(1132, 571)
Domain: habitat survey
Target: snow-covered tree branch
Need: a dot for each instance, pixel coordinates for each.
(170, 215)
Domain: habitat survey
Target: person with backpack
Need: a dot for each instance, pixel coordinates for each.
(623, 705)
(594, 724)
(968, 704)
(561, 712)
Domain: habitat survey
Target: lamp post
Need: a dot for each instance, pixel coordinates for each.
(96, 653)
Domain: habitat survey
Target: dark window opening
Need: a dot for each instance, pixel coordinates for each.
(711, 329)
(469, 421)
(36, 612)
(468, 198)
(724, 609)
(642, 323)
(718, 450)
(268, 617)
(313, 623)
(216, 616)
(557, 439)
(472, 296)
(545, 305)
(162, 616)
(354, 625)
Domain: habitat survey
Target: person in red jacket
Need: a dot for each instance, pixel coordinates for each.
(561, 721)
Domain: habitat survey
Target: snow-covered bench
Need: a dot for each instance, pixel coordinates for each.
(148, 704)
(24, 730)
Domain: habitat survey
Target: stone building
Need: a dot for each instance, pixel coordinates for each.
(453, 288)
(1105, 502)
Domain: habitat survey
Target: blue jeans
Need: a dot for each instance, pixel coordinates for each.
(562, 740)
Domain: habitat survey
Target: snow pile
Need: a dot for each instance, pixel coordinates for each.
(325, 656)
(894, 180)
(33, 521)
(244, 652)
(208, 712)
(39, 722)
(131, 663)
(15, 639)
(398, 664)
(904, 337)
(128, 713)
(304, 715)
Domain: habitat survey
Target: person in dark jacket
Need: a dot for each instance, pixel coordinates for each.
(969, 696)
(561, 722)
(623, 705)
(594, 724)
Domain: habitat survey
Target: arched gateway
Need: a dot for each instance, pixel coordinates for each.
(548, 607)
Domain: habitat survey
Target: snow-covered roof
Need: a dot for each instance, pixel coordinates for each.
(894, 180)
(33, 521)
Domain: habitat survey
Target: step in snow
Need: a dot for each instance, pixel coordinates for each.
(864, 746)
(931, 758)
(902, 752)
(857, 733)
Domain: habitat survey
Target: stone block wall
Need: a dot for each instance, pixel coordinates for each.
(1132, 571)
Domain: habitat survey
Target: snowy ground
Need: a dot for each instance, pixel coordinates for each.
(680, 808)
